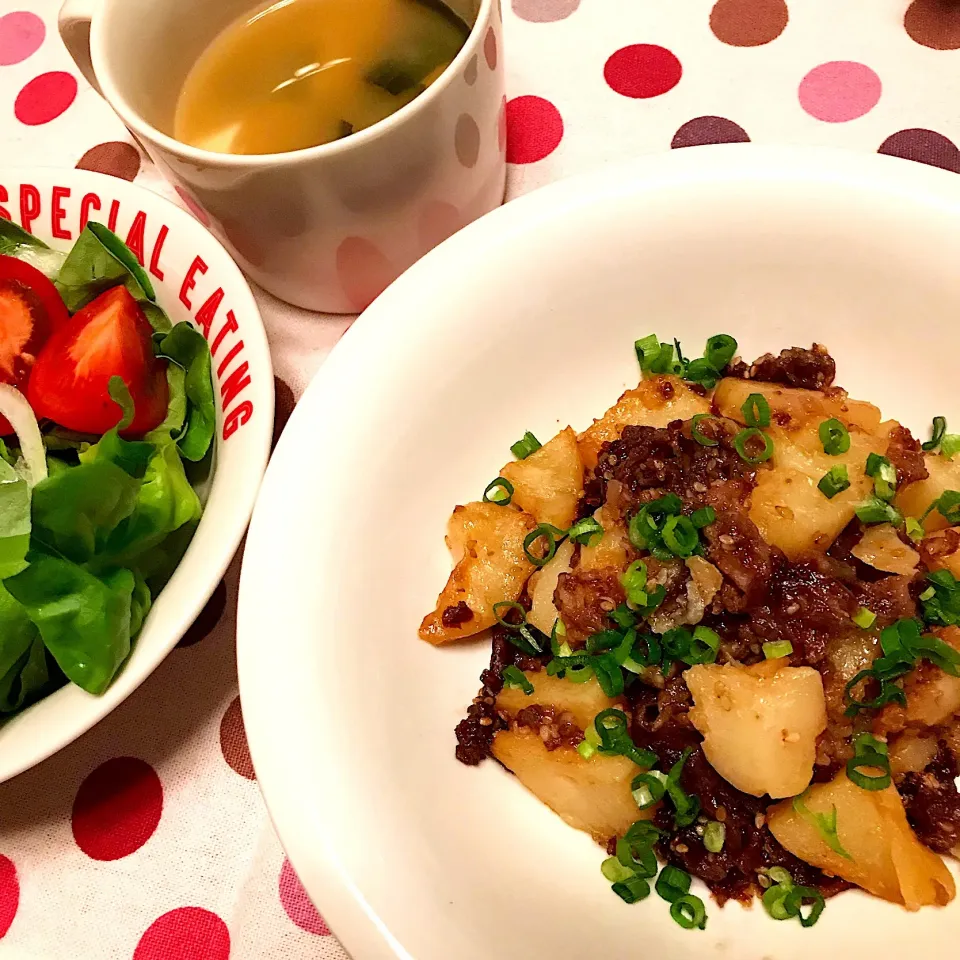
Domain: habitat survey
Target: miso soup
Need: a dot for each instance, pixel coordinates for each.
(297, 73)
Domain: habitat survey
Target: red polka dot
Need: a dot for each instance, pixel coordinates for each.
(45, 97)
(21, 34)
(297, 904)
(642, 70)
(9, 894)
(534, 129)
(438, 220)
(363, 270)
(187, 933)
(117, 808)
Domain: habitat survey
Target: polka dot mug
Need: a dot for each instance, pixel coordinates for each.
(328, 227)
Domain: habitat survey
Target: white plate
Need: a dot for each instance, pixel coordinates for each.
(526, 320)
(55, 201)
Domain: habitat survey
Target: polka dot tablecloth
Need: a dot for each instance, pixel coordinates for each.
(147, 839)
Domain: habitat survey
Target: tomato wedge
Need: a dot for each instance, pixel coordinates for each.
(108, 337)
(30, 310)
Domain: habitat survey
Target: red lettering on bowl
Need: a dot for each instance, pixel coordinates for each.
(4, 198)
(89, 203)
(157, 248)
(229, 326)
(135, 235)
(228, 359)
(29, 205)
(58, 214)
(207, 313)
(234, 384)
(190, 280)
(236, 418)
(114, 213)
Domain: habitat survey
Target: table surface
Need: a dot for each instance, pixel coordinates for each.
(147, 838)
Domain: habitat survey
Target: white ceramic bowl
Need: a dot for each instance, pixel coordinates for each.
(193, 266)
(526, 320)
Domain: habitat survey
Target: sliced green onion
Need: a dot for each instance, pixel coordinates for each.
(875, 510)
(864, 618)
(889, 693)
(928, 594)
(615, 740)
(647, 350)
(884, 476)
(703, 517)
(781, 876)
(774, 649)
(950, 446)
(720, 350)
(634, 580)
(579, 673)
(714, 836)
(604, 640)
(672, 884)
(936, 434)
(526, 445)
(826, 824)
(614, 871)
(585, 531)
(696, 432)
(835, 437)
(774, 902)
(834, 481)
(680, 536)
(499, 491)
(689, 912)
(915, 529)
(633, 890)
(942, 605)
(638, 856)
(704, 646)
(513, 677)
(676, 643)
(608, 674)
(550, 536)
(686, 807)
(502, 609)
(756, 411)
(701, 371)
(623, 616)
(586, 749)
(558, 645)
(948, 506)
(744, 437)
(648, 789)
(800, 897)
(646, 652)
(872, 754)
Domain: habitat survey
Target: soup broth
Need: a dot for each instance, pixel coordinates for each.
(297, 73)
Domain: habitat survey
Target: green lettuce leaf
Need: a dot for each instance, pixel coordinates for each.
(15, 242)
(14, 520)
(24, 671)
(84, 620)
(186, 348)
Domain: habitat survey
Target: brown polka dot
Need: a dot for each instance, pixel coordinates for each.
(285, 402)
(924, 146)
(490, 48)
(934, 23)
(748, 23)
(467, 140)
(470, 73)
(703, 130)
(209, 617)
(233, 741)
(245, 243)
(118, 159)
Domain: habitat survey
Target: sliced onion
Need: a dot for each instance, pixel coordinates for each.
(14, 406)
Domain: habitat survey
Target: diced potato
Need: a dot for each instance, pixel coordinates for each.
(487, 543)
(592, 795)
(933, 697)
(882, 549)
(549, 483)
(940, 550)
(911, 752)
(885, 856)
(654, 403)
(760, 724)
(613, 548)
(582, 701)
(914, 498)
(791, 406)
(543, 611)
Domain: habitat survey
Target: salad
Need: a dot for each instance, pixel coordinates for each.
(725, 624)
(107, 419)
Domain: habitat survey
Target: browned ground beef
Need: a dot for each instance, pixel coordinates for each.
(556, 729)
(933, 802)
(584, 598)
(812, 369)
(905, 453)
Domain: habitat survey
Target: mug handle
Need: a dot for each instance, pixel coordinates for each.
(73, 22)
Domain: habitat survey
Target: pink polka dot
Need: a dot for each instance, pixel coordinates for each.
(9, 894)
(45, 97)
(193, 206)
(187, 933)
(438, 220)
(839, 91)
(117, 808)
(363, 270)
(490, 48)
(297, 904)
(642, 70)
(534, 129)
(21, 34)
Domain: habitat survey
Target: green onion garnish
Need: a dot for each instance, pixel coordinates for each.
(781, 876)
(503, 609)
(499, 491)
(586, 749)
(948, 506)
(672, 884)
(704, 646)
(637, 855)
(550, 536)
(864, 618)
(744, 437)
(884, 476)
(826, 824)
(649, 788)
(941, 600)
(936, 435)
(558, 644)
(634, 580)
(703, 517)
(774, 649)
(889, 693)
(686, 808)
(714, 836)
(521, 635)
(800, 897)
(526, 445)
(623, 616)
(680, 536)
(835, 437)
(915, 529)
(696, 432)
(646, 652)
(632, 890)
(647, 350)
(585, 531)
(720, 350)
(701, 371)
(834, 481)
(756, 411)
(872, 754)
(950, 446)
(615, 740)
(614, 871)
(875, 510)
(689, 912)
(513, 677)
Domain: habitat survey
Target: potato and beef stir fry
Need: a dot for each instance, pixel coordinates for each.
(726, 635)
